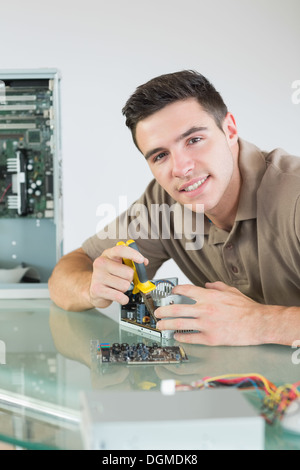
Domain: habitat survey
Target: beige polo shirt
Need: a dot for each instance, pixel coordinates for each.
(260, 255)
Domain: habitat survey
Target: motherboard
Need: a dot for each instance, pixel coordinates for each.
(26, 149)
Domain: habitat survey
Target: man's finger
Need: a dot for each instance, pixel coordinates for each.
(194, 292)
(191, 338)
(179, 324)
(175, 310)
(126, 252)
(218, 285)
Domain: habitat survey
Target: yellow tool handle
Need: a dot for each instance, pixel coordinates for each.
(140, 279)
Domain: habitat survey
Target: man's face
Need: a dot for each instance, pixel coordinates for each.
(190, 156)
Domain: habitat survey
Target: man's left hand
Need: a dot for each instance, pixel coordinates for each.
(222, 315)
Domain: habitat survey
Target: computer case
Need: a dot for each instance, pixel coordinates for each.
(31, 232)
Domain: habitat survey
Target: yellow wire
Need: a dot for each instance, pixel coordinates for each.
(274, 394)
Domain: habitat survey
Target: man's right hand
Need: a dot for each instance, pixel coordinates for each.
(77, 283)
(111, 278)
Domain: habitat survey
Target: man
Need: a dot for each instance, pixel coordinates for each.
(246, 275)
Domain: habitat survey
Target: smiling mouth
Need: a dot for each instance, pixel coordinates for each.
(194, 186)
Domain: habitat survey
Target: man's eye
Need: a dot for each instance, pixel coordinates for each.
(194, 140)
(158, 157)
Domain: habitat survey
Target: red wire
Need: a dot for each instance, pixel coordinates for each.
(2, 197)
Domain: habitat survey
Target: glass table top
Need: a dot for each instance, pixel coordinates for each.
(46, 364)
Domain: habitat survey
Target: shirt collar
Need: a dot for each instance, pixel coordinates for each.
(252, 166)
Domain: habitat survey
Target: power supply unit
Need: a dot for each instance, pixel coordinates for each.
(220, 419)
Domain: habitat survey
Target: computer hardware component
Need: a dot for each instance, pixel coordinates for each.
(30, 179)
(291, 418)
(135, 315)
(195, 420)
(139, 353)
(27, 148)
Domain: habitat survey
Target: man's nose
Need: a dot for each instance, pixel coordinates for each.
(182, 164)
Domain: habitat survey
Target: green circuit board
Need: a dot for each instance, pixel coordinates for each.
(26, 149)
(139, 353)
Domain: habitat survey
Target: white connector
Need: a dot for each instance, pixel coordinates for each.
(168, 387)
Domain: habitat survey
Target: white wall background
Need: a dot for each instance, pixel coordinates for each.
(104, 49)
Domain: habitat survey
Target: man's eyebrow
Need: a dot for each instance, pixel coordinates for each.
(190, 131)
(152, 152)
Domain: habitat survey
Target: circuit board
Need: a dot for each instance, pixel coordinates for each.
(135, 316)
(138, 353)
(26, 149)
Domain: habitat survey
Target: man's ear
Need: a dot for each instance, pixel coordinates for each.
(230, 129)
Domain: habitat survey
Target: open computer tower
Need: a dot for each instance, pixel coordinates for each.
(30, 181)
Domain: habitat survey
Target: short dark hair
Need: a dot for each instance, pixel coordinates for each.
(166, 89)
